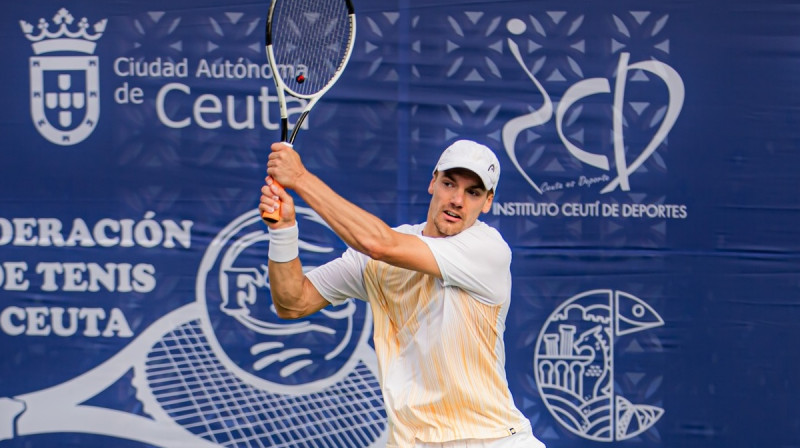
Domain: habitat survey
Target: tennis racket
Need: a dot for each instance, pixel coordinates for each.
(195, 401)
(308, 44)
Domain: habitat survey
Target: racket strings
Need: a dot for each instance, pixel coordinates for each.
(310, 38)
(196, 390)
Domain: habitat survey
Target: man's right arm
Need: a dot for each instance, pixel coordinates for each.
(293, 295)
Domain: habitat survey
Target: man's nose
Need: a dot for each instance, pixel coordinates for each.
(457, 199)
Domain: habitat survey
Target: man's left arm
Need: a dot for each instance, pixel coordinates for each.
(358, 228)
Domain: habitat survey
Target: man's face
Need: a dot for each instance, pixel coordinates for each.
(458, 199)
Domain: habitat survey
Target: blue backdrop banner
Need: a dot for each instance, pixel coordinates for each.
(650, 193)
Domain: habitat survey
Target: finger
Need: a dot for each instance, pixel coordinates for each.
(280, 146)
(266, 209)
(268, 198)
(278, 193)
(267, 204)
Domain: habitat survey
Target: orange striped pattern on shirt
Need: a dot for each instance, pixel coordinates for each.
(438, 350)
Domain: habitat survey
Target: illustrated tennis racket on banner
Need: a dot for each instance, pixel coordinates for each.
(191, 393)
(195, 401)
(308, 45)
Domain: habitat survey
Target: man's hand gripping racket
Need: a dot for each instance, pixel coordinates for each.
(308, 45)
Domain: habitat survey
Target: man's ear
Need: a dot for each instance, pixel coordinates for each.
(433, 180)
(487, 206)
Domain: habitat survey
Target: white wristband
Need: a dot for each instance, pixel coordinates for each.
(283, 244)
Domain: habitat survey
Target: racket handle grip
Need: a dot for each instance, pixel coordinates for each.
(275, 215)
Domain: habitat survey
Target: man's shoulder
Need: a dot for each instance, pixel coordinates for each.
(479, 232)
(482, 230)
(413, 229)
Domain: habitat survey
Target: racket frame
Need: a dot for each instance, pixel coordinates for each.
(281, 86)
(312, 99)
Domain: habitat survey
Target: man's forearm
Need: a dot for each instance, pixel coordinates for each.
(286, 287)
(358, 228)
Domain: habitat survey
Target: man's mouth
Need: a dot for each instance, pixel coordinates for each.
(451, 214)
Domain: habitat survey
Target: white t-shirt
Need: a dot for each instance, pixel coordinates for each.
(439, 342)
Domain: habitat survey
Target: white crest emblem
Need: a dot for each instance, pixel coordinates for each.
(65, 86)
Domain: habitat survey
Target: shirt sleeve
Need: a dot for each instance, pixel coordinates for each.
(342, 278)
(477, 260)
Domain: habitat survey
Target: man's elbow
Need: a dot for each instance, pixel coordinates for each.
(288, 313)
(376, 250)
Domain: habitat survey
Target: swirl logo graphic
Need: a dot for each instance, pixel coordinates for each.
(575, 369)
(624, 106)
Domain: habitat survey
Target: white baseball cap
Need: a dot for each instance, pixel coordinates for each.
(472, 156)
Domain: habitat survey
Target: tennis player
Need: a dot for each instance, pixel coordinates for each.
(439, 292)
